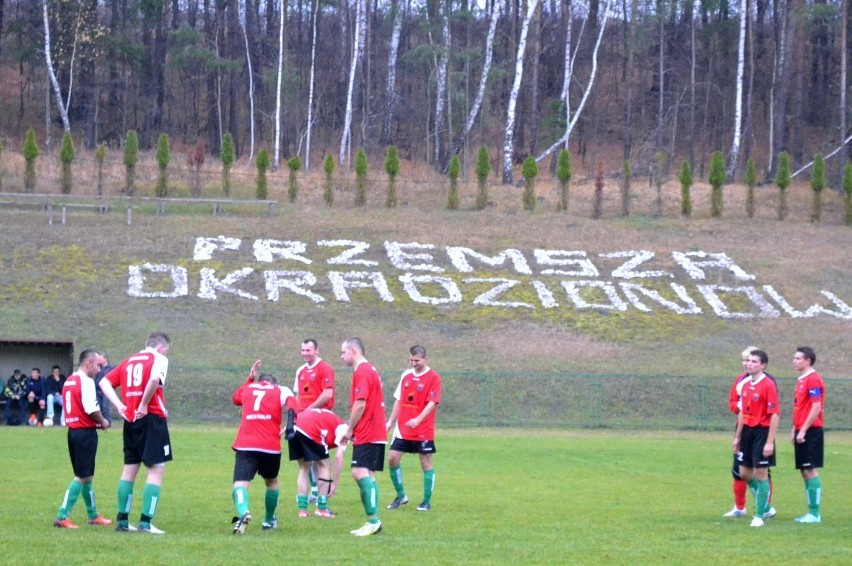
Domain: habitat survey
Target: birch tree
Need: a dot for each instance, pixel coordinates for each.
(508, 138)
(441, 87)
(57, 90)
(738, 100)
(311, 82)
(277, 157)
(357, 51)
(569, 124)
(243, 24)
(496, 10)
(390, 88)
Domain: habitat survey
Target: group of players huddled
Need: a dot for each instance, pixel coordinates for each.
(302, 415)
(754, 399)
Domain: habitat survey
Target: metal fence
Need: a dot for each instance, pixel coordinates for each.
(533, 400)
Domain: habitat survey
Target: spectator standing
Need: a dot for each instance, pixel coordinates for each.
(146, 431)
(53, 392)
(16, 399)
(756, 429)
(366, 430)
(83, 417)
(413, 421)
(257, 446)
(102, 400)
(807, 434)
(36, 403)
(317, 431)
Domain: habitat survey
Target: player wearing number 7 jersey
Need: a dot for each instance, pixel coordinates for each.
(141, 378)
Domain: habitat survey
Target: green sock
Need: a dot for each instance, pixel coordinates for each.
(89, 498)
(396, 478)
(125, 498)
(322, 502)
(762, 498)
(313, 479)
(70, 499)
(369, 495)
(271, 503)
(302, 502)
(428, 485)
(241, 500)
(813, 490)
(150, 497)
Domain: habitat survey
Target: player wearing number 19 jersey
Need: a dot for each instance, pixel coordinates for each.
(141, 378)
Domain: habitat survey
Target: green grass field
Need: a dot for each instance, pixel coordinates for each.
(503, 496)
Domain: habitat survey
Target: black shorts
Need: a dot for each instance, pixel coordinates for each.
(413, 446)
(303, 447)
(82, 448)
(247, 463)
(809, 453)
(370, 456)
(146, 441)
(752, 442)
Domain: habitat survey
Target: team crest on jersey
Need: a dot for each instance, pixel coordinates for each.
(420, 387)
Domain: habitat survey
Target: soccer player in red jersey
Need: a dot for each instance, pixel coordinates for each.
(413, 419)
(366, 430)
(82, 417)
(807, 434)
(317, 431)
(141, 378)
(258, 443)
(314, 389)
(756, 429)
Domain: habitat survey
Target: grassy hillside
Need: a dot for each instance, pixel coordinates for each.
(71, 281)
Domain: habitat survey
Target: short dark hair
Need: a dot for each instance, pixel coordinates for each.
(356, 343)
(808, 352)
(56, 367)
(158, 339)
(38, 370)
(86, 354)
(418, 351)
(764, 357)
(311, 341)
(268, 377)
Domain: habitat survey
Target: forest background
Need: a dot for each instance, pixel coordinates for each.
(622, 82)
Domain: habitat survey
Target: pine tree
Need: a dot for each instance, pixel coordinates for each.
(392, 169)
(751, 182)
(453, 174)
(717, 179)
(227, 155)
(783, 180)
(100, 155)
(361, 178)
(625, 189)
(847, 193)
(66, 155)
(483, 169)
(328, 168)
(31, 153)
(294, 165)
(686, 181)
(262, 164)
(818, 184)
(131, 158)
(164, 157)
(529, 170)
(563, 174)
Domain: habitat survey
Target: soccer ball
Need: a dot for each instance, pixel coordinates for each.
(48, 422)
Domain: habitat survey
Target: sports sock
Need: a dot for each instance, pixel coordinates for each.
(125, 498)
(369, 495)
(313, 479)
(302, 502)
(396, 478)
(241, 500)
(740, 488)
(322, 502)
(271, 504)
(762, 498)
(813, 491)
(70, 499)
(89, 498)
(428, 485)
(150, 497)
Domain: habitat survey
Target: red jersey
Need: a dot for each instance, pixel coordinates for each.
(735, 398)
(367, 386)
(810, 389)
(760, 401)
(311, 381)
(263, 405)
(79, 401)
(414, 392)
(133, 374)
(319, 425)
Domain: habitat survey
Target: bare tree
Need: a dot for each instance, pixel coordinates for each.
(57, 91)
(508, 137)
(738, 101)
(276, 160)
(390, 89)
(357, 52)
(311, 86)
(243, 25)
